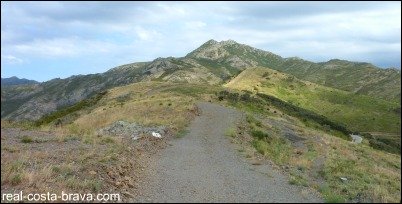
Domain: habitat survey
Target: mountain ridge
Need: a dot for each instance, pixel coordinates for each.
(16, 81)
(213, 63)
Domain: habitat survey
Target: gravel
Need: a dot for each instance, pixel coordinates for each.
(203, 166)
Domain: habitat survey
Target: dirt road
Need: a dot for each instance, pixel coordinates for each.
(203, 166)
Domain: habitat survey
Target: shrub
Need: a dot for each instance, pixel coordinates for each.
(233, 97)
(70, 109)
(26, 139)
(259, 134)
(265, 74)
(245, 97)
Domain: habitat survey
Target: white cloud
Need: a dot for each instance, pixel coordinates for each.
(62, 47)
(143, 31)
(10, 59)
(147, 35)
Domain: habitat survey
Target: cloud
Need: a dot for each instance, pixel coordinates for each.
(62, 47)
(11, 59)
(140, 31)
(147, 35)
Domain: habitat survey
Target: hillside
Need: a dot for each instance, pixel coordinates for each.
(356, 77)
(310, 157)
(212, 63)
(357, 112)
(16, 81)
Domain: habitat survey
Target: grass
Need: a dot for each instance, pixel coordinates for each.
(69, 110)
(259, 134)
(268, 144)
(16, 179)
(331, 197)
(261, 102)
(11, 149)
(107, 139)
(143, 108)
(91, 185)
(26, 139)
(182, 133)
(70, 138)
(230, 132)
(78, 150)
(298, 179)
(358, 112)
(373, 175)
(24, 125)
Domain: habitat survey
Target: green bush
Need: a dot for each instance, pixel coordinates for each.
(259, 134)
(26, 139)
(71, 109)
(245, 97)
(234, 97)
(303, 113)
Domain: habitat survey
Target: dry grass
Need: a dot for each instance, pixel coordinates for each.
(373, 175)
(147, 105)
(74, 159)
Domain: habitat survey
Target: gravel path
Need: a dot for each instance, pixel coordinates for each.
(203, 166)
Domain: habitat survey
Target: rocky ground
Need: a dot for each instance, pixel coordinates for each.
(203, 166)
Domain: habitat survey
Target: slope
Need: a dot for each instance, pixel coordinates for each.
(357, 112)
(357, 77)
(212, 63)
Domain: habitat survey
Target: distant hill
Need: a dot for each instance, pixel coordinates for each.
(212, 63)
(16, 81)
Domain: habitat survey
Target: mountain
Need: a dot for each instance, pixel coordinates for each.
(356, 77)
(212, 63)
(16, 81)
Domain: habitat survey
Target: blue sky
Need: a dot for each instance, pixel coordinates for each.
(45, 40)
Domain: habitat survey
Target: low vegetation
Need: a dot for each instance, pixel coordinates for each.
(357, 112)
(371, 175)
(68, 110)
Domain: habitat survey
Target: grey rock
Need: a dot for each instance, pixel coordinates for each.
(133, 130)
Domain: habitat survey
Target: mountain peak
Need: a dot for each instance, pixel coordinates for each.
(228, 42)
(211, 42)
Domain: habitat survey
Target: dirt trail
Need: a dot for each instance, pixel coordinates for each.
(203, 166)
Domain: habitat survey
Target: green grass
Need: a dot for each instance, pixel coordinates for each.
(16, 179)
(298, 179)
(330, 196)
(193, 90)
(26, 139)
(107, 139)
(259, 134)
(358, 112)
(230, 132)
(182, 133)
(251, 120)
(71, 109)
(277, 149)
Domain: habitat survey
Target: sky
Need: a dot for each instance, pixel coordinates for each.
(45, 40)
